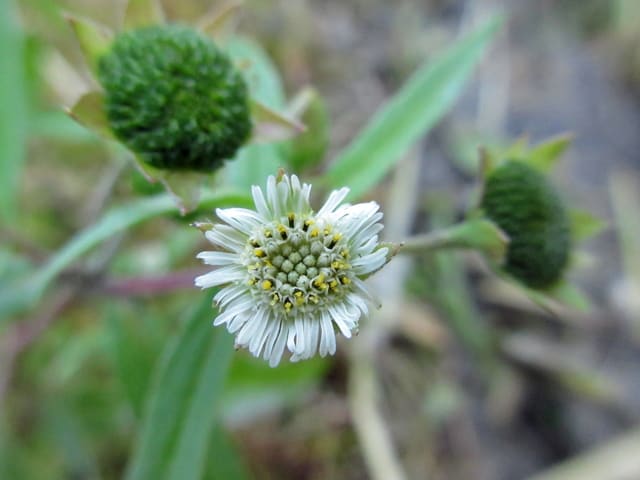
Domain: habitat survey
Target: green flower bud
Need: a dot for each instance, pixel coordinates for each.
(528, 209)
(174, 98)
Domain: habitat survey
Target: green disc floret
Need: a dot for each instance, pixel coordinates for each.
(522, 202)
(296, 263)
(174, 98)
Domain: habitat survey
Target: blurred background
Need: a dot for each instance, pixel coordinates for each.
(475, 381)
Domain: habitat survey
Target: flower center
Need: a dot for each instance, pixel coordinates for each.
(298, 263)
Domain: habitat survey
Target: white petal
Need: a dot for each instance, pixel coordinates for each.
(226, 237)
(335, 198)
(312, 337)
(227, 294)
(278, 348)
(370, 263)
(248, 330)
(218, 258)
(272, 197)
(260, 203)
(256, 343)
(340, 320)
(239, 306)
(243, 220)
(328, 338)
(220, 276)
(271, 337)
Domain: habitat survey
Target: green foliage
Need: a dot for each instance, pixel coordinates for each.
(26, 292)
(526, 206)
(255, 162)
(415, 109)
(183, 401)
(309, 148)
(13, 109)
(174, 98)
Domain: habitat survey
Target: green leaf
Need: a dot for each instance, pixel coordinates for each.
(89, 111)
(309, 148)
(585, 225)
(141, 13)
(255, 162)
(28, 291)
(134, 345)
(224, 461)
(545, 155)
(94, 39)
(422, 102)
(571, 296)
(271, 125)
(182, 406)
(13, 109)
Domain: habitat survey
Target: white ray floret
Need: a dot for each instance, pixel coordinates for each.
(291, 278)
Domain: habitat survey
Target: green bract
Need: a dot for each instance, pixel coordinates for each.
(174, 98)
(528, 209)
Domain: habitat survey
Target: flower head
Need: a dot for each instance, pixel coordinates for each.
(289, 274)
(522, 202)
(173, 97)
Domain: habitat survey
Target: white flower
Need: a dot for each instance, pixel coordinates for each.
(290, 274)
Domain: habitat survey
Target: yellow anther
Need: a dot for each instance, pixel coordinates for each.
(333, 284)
(268, 233)
(291, 217)
(345, 280)
(337, 265)
(288, 306)
(275, 298)
(313, 298)
(307, 224)
(337, 236)
(267, 285)
(298, 294)
(251, 281)
(300, 300)
(258, 252)
(315, 232)
(345, 253)
(254, 243)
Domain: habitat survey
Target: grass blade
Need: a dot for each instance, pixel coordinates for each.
(416, 108)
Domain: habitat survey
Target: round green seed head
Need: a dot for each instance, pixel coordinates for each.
(526, 206)
(174, 98)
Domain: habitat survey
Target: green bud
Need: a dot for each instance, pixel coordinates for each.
(522, 202)
(174, 98)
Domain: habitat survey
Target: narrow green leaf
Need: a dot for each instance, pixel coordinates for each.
(134, 346)
(94, 39)
(28, 291)
(545, 155)
(13, 108)
(140, 13)
(416, 108)
(182, 406)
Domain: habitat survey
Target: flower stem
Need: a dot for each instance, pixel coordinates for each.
(477, 234)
